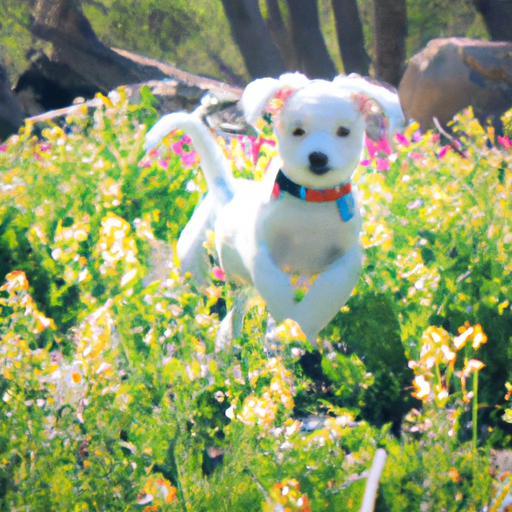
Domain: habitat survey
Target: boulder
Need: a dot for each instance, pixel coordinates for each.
(451, 74)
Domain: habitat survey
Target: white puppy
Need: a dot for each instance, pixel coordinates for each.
(302, 217)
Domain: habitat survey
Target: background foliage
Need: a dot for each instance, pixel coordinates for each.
(196, 36)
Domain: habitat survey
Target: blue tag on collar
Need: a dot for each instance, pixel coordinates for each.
(346, 206)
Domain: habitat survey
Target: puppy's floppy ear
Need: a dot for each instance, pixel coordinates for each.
(258, 94)
(387, 99)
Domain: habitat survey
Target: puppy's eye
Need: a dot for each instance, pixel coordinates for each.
(342, 131)
(298, 132)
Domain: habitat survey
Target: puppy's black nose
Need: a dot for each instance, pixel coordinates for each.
(318, 162)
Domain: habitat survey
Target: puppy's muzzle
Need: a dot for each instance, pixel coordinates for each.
(318, 162)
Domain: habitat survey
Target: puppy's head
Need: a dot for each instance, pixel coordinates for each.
(320, 125)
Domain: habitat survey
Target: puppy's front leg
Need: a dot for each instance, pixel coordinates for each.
(329, 292)
(272, 284)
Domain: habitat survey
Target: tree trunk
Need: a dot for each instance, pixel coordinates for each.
(349, 30)
(75, 44)
(260, 54)
(497, 15)
(67, 17)
(314, 59)
(390, 34)
(281, 35)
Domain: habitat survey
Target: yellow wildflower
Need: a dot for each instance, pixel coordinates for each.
(479, 337)
(421, 388)
(473, 365)
(460, 341)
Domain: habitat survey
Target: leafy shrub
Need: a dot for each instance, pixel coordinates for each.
(439, 217)
(113, 395)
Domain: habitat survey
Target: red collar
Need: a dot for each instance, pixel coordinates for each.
(341, 195)
(314, 195)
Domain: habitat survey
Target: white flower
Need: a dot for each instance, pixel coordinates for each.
(75, 375)
(129, 276)
(230, 412)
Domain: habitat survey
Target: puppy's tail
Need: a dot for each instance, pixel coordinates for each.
(215, 165)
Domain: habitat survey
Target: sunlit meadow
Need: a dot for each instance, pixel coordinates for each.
(114, 396)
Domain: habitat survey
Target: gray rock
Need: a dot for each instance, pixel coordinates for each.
(451, 74)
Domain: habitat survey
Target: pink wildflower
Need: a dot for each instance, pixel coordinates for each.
(256, 147)
(402, 139)
(383, 164)
(189, 159)
(255, 144)
(177, 147)
(218, 273)
(381, 146)
(380, 151)
(443, 151)
(505, 141)
(3, 148)
(416, 136)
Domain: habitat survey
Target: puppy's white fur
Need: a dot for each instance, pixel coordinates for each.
(257, 236)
